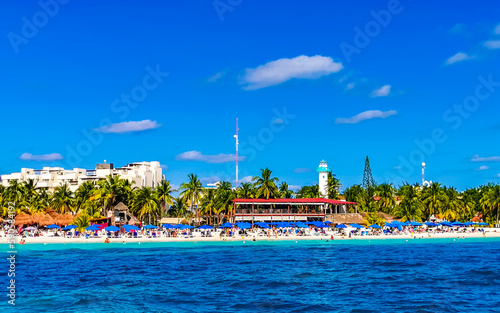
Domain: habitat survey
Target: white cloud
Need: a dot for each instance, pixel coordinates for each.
(461, 56)
(300, 170)
(215, 77)
(497, 29)
(498, 175)
(294, 187)
(477, 158)
(198, 156)
(350, 86)
(492, 44)
(363, 116)
(458, 28)
(483, 168)
(42, 157)
(164, 167)
(282, 70)
(382, 91)
(127, 127)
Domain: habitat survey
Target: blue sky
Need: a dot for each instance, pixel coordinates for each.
(308, 80)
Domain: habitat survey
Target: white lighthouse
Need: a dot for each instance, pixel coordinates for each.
(323, 178)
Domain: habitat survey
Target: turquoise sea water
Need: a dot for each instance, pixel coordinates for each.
(421, 275)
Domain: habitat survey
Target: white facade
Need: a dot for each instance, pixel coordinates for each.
(323, 178)
(140, 174)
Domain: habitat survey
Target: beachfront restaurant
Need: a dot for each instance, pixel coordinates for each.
(303, 209)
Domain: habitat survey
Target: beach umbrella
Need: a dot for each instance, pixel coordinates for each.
(30, 228)
(430, 224)
(445, 223)
(398, 223)
(482, 224)
(457, 223)
(168, 226)
(415, 224)
(185, 226)
(328, 222)
(374, 226)
(301, 225)
(390, 225)
(111, 228)
(356, 226)
(150, 227)
(206, 227)
(309, 223)
(341, 226)
(243, 225)
(131, 227)
(468, 223)
(69, 227)
(93, 227)
(226, 225)
(321, 225)
(262, 224)
(53, 226)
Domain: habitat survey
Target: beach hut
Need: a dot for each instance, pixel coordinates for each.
(65, 219)
(23, 219)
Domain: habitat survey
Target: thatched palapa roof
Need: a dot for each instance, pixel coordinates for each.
(347, 218)
(65, 219)
(121, 207)
(23, 219)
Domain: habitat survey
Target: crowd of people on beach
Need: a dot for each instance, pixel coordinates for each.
(256, 230)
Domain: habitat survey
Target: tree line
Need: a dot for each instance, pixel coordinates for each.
(93, 200)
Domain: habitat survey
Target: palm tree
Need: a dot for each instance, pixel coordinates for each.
(62, 199)
(452, 207)
(29, 192)
(387, 197)
(163, 194)
(245, 191)
(84, 194)
(111, 191)
(266, 185)
(192, 192)
(284, 191)
(208, 204)
(411, 207)
(144, 204)
(433, 198)
(81, 222)
(491, 201)
(308, 192)
(333, 187)
(14, 193)
(178, 209)
(224, 197)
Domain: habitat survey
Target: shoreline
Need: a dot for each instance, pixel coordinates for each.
(62, 240)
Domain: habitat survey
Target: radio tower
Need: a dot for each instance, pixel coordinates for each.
(423, 173)
(237, 143)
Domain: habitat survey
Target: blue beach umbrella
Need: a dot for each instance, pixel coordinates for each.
(53, 226)
(415, 224)
(69, 227)
(430, 224)
(390, 225)
(446, 223)
(131, 227)
(457, 223)
(226, 225)
(468, 223)
(205, 227)
(374, 226)
(112, 228)
(482, 224)
(301, 225)
(150, 227)
(168, 226)
(185, 227)
(262, 224)
(93, 227)
(356, 226)
(341, 226)
(328, 222)
(243, 225)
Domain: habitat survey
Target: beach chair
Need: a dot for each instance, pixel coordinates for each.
(135, 234)
(154, 235)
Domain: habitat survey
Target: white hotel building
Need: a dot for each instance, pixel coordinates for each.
(140, 174)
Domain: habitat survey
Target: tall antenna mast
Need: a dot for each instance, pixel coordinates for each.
(237, 143)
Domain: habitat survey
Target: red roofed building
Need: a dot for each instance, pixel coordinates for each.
(302, 209)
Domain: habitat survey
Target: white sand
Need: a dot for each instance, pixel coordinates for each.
(489, 234)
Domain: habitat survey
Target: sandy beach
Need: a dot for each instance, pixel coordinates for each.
(489, 233)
